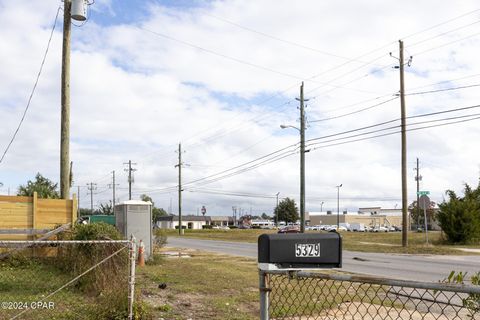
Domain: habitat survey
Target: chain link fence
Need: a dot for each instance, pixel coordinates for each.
(67, 279)
(304, 295)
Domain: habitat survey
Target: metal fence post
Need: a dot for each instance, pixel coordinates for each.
(131, 278)
(264, 292)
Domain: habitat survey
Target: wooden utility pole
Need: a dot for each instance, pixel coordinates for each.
(113, 189)
(302, 161)
(179, 165)
(91, 188)
(130, 177)
(404, 151)
(65, 102)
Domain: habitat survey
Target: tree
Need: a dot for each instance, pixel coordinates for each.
(146, 198)
(460, 217)
(266, 216)
(418, 216)
(156, 212)
(44, 188)
(286, 211)
(84, 212)
(105, 208)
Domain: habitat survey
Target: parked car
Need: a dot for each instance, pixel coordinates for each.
(289, 229)
(380, 229)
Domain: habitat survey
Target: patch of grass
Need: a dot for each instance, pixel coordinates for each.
(385, 242)
(203, 286)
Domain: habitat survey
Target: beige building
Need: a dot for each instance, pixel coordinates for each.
(372, 217)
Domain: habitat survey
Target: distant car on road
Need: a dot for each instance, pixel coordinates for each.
(289, 229)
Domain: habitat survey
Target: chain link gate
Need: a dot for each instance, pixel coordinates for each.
(67, 279)
(302, 295)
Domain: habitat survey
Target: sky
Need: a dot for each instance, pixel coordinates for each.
(220, 77)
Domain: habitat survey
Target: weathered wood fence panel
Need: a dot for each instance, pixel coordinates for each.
(23, 217)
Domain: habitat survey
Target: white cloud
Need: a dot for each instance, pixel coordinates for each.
(136, 95)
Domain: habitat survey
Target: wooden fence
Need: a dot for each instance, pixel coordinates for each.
(23, 218)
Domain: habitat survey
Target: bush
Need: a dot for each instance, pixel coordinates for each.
(460, 217)
(233, 227)
(207, 226)
(160, 239)
(111, 275)
(95, 231)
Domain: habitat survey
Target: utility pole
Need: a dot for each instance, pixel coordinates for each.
(233, 215)
(113, 185)
(418, 177)
(276, 210)
(78, 203)
(338, 204)
(65, 105)
(91, 188)
(179, 165)
(404, 151)
(130, 177)
(302, 160)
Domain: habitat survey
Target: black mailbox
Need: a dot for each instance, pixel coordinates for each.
(301, 250)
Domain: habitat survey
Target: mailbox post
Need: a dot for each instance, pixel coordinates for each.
(293, 252)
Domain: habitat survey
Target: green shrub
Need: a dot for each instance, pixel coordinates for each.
(472, 302)
(460, 217)
(95, 231)
(111, 274)
(207, 226)
(160, 238)
(233, 227)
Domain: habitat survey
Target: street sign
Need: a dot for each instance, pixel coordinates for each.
(424, 202)
(423, 193)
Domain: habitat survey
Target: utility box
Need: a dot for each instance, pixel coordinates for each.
(299, 251)
(134, 217)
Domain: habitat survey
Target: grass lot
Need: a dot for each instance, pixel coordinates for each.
(26, 283)
(201, 286)
(354, 241)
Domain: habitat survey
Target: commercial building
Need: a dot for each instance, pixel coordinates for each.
(371, 217)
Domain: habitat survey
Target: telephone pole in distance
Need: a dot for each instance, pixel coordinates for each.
(130, 177)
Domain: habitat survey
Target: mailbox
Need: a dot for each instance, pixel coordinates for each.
(300, 250)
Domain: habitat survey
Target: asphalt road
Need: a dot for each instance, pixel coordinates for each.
(399, 266)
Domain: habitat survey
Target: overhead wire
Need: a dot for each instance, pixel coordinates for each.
(34, 86)
(472, 118)
(356, 111)
(212, 137)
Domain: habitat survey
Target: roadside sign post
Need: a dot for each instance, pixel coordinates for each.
(424, 203)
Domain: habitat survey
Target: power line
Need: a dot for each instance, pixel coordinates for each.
(244, 164)
(282, 40)
(448, 43)
(391, 133)
(221, 54)
(356, 111)
(34, 86)
(441, 23)
(443, 33)
(278, 155)
(441, 90)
